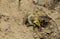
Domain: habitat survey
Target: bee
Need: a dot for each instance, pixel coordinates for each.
(36, 20)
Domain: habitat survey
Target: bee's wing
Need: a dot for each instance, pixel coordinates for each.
(31, 18)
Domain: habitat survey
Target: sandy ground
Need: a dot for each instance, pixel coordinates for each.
(11, 19)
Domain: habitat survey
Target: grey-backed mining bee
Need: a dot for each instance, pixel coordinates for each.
(37, 20)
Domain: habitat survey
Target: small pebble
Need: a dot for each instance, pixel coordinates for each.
(35, 1)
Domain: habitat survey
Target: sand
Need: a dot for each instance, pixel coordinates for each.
(11, 19)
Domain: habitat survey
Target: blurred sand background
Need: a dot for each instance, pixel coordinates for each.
(11, 19)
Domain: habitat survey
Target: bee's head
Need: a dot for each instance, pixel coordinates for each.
(36, 22)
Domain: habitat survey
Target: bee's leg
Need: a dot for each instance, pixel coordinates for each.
(39, 28)
(25, 19)
(28, 25)
(34, 28)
